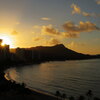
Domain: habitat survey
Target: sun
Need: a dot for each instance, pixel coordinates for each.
(6, 40)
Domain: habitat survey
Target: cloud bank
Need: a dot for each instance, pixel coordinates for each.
(70, 27)
(49, 30)
(70, 30)
(77, 10)
(44, 41)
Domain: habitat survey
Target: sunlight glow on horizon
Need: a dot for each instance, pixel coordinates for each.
(7, 40)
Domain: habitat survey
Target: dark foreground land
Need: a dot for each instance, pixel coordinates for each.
(12, 91)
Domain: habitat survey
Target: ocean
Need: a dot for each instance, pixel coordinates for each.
(74, 77)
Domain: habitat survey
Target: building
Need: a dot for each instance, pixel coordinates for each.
(4, 52)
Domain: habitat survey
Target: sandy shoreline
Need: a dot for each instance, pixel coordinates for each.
(14, 91)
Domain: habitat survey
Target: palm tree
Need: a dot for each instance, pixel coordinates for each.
(64, 96)
(23, 85)
(81, 98)
(71, 98)
(58, 94)
(89, 94)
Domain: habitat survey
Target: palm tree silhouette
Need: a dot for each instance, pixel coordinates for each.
(58, 94)
(89, 94)
(81, 98)
(71, 98)
(64, 96)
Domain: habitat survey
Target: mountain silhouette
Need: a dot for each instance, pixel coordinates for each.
(59, 52)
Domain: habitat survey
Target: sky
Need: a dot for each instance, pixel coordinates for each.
(29, 23)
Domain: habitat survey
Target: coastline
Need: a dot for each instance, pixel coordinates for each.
(34, 94)
(5, 65)
(11, 90)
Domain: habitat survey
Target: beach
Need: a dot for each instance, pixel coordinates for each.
(13, 91)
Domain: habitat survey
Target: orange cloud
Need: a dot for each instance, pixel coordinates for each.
(90, 14)
(77, 10)
(69, 35)
(49, 30)
(74, 44)
(37, 38)
(36, 27)
(86, 14)
(71, 30)
(70, 27)
(98, 2)
(53, 41)
(46, 19)
(46, 42)
(14, 32)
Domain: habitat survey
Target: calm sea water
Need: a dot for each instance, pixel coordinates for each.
(70, 77)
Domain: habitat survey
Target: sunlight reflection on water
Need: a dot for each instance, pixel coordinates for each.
(70, 77)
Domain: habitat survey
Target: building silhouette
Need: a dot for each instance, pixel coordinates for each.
(4, 52)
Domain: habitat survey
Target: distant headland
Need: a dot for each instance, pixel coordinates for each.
(39, 54)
